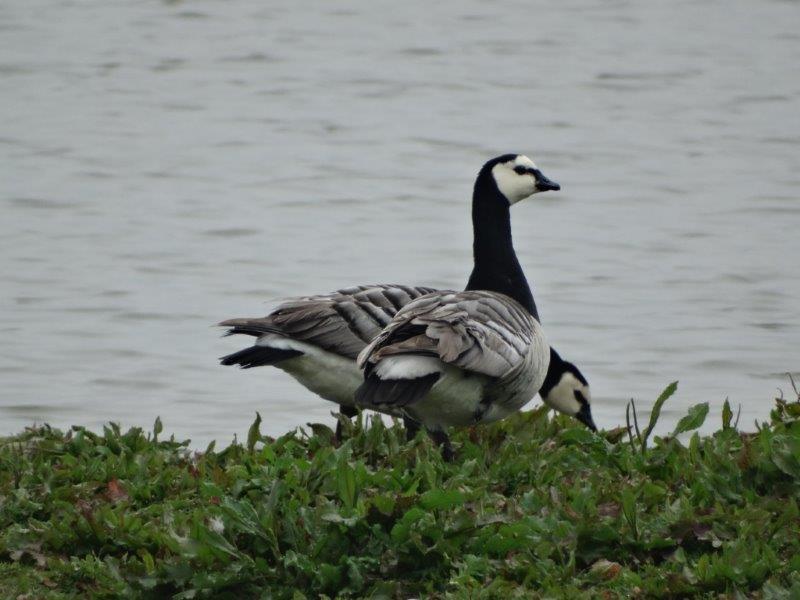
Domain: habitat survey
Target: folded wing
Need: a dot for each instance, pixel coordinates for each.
(341, 322)
(477, 331)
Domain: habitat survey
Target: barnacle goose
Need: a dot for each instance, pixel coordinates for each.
(316, 340)
(460, 358)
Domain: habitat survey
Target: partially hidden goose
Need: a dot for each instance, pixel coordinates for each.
(460, 358)
(316, 339)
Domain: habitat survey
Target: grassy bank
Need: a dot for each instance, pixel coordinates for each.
(533, 506)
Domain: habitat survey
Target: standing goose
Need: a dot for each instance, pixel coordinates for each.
(459, 358)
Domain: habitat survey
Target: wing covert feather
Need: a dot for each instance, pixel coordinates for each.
(478, 331)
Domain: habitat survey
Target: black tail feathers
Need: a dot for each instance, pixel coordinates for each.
(394, 392)
(258, 356)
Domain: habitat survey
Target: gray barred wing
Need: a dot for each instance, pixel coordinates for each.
(342, 322)
(483, 332)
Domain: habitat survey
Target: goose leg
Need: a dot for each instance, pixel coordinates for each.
(347, 411)
(441, 439)
(412, 427)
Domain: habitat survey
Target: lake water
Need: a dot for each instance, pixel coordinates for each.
(164, 166)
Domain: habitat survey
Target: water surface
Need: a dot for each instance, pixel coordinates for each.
(164, 166)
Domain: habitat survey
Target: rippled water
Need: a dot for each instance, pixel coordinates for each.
(164, 166)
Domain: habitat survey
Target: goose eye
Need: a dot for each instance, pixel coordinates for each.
(520, 170)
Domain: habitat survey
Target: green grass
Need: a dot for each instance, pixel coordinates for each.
(532, 507)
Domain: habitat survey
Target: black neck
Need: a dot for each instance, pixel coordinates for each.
(554, 371)
(496, 266)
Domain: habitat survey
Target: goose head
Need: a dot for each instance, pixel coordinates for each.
(566, 390)
(517, 177)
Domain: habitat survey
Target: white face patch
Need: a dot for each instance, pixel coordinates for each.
(562, 396)
(512, 185)
(524, 161)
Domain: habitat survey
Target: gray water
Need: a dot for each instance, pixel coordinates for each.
(164, 166)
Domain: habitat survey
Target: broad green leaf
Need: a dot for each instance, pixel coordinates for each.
(786, 454)
(693, 419)
(694, 447)
(147, 559)
(346, 483)
(653, 493)
(254, 433)
(727, 415)
(214, 541)
(628, 502)
(322, 431)
(578, 435)
(244, 516)
(330, 576)
(434, 499)
(500, 545)
(384, 503)
(656, 412)
(402, 528)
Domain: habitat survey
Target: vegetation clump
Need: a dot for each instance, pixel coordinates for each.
(533, 506)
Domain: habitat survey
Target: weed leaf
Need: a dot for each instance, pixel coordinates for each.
(254, 433)
(786, 454)
(433, 499)
(346, 481)
(693, 419)
(628, 502)
(656, 412)
(727, 415)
